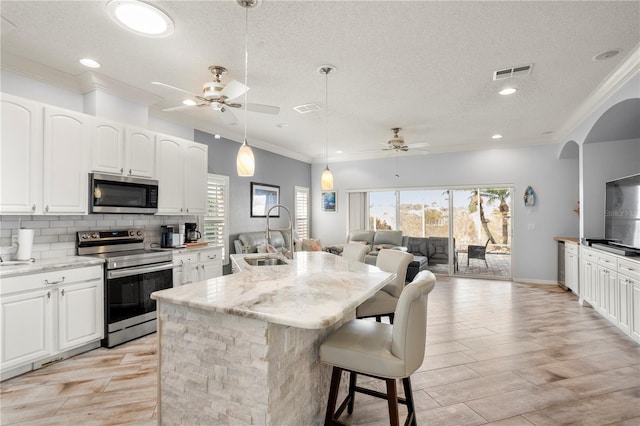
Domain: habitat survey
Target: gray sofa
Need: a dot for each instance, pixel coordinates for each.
(253, 240)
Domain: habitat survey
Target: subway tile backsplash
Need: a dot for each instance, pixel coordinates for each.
(55, 236)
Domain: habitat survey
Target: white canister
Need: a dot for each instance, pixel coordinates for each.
(25, 244)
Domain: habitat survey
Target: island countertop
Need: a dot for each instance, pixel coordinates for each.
(315, 290)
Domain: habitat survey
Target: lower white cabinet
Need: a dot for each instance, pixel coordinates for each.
(611, 285)
(46, 314)
(571, 266)
(197, 265)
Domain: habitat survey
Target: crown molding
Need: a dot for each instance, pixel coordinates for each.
(90, 81)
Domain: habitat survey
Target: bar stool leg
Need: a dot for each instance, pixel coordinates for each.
(392, 400)
(408, 394)
(336, 375)
(352, 391)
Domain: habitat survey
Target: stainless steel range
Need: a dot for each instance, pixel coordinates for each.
(131, 274)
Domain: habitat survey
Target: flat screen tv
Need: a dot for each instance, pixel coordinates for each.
(622, 211)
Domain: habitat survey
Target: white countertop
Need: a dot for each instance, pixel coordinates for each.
(315, 291)
(11, 269)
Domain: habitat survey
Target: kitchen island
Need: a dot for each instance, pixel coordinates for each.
(243, 348)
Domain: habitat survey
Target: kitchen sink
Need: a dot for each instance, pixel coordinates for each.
(265, 261)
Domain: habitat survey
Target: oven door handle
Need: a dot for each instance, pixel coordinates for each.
(138, 270)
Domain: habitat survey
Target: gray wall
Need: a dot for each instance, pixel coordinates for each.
(554, 180)
(272, 169)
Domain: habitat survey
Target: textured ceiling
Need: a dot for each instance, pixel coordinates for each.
(424, 66)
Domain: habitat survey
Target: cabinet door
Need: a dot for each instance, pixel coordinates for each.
(571, 271)
(65, 162)
(140, 154)
(26, 327)
(80, 314)
(585, 284)
(634, 304)
(170, 175)
(195, 188)
(622, 306)
(20, 156)
(607, 282)
(107, 152)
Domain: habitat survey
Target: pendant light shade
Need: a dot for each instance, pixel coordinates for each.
(326, 180)
(245, 163)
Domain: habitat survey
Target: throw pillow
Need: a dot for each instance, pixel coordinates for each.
(311, 245)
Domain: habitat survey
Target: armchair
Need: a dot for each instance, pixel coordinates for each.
(478, 252)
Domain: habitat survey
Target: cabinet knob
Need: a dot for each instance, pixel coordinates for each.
(33, 208)
(46, 209)
(48, 295)
(121, 170)
(62, 292)
(129, 172)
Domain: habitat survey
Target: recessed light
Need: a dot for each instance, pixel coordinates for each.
(606, 55)
(216, 136)
(338, 152)
(508, 91)
(283, 125)
(188, 102)
(89, 63)
(141, 18)
(496, 136)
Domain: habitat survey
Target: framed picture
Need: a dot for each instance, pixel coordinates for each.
(329, 201)
(263, 197)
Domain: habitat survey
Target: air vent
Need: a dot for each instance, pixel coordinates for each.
(303, 109)
(518, 71)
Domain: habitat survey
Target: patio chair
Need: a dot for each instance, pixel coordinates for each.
(478, 252)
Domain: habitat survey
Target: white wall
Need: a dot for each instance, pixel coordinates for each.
(554, 180)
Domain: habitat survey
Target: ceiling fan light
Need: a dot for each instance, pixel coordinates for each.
(326, 180)
(141, 18)
(212, 90)
(245, 162)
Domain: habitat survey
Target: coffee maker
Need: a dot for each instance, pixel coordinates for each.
(191, 233)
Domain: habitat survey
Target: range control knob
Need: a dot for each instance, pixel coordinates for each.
(132, 233)
(139, 233)
(95, 235)
(85, 236)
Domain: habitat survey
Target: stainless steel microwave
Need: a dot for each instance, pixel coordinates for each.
(122, 194)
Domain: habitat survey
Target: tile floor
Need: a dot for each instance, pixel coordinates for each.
(498, 353)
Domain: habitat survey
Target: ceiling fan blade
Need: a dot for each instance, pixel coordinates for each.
(157, 83)
(264, 109)
(233, 89)
(419, 145)
(228, 116)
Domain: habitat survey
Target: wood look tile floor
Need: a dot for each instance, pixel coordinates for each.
(498, 353)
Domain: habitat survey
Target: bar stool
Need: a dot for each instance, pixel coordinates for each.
(353, 251)
(383, 303)
(382, 351)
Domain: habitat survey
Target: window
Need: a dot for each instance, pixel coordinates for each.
(302, 212)
(216, 220)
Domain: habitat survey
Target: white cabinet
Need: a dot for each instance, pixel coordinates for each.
(589, 278)
(629, 289)
(48, 313)
(26, 327)
(80, 313)
(122, 151)
(20, 156)
(197, 265)
(65, 166)
(634, 312)
(182, 175)
(571, 266)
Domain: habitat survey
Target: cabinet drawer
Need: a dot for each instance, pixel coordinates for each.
(207, 256)
(608, 261)
(51, 278)
(629, 268)
(589, 254)
(571, 248)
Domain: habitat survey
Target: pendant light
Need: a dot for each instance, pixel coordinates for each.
(326, 181)
(245, 162)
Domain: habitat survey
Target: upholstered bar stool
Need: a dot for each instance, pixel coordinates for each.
(382, 351)
(353, 251)
(383, 303)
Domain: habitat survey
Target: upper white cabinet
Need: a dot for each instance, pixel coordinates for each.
(122, 151)
(65, 168)
(20, 156)
(182, 175)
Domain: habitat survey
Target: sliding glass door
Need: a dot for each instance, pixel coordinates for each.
(479, 219)
(482, 231)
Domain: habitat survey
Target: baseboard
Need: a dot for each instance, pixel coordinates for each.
(531, 281)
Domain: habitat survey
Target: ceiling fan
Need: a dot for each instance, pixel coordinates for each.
(220, 96)
(396, 143)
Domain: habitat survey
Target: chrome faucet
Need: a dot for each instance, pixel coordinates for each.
(288, 253)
